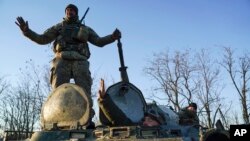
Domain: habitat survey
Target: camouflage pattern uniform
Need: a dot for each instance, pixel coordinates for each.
(71, 51)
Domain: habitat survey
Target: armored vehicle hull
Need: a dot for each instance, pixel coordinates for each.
(126, 133)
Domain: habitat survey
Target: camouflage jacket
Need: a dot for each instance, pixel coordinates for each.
(70, 36)
(188, 117)
(111, 115)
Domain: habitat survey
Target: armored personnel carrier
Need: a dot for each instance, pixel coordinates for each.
(65, 115)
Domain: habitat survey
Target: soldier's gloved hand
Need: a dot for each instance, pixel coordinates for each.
(116, 34)
(23, 25)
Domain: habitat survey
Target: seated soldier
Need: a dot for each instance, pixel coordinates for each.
(111, 115)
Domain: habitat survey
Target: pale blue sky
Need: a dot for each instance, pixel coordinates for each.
(147, 26)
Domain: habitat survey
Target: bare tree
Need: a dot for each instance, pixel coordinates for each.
(20, 107)
(174, 76)
(3, 84)
(238, 71)
(209, 88)
(3, 88)
(186, 77)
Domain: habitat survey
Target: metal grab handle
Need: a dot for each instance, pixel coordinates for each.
(117, 131)
(148, 132)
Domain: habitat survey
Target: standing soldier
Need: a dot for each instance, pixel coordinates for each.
(70, 47)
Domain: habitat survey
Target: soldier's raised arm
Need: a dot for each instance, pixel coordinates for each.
(48, 36)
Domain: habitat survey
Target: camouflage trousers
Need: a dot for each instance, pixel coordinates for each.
(63, 70)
